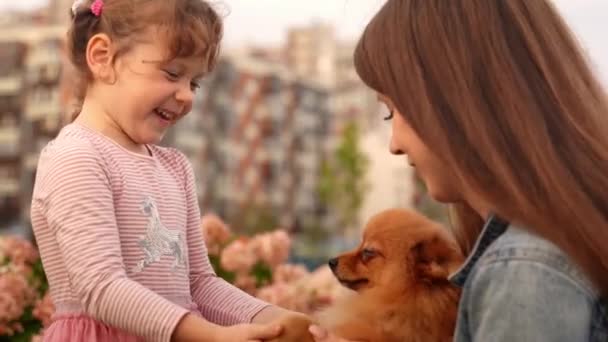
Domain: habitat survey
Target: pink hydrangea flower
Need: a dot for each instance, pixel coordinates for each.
(19, 251)
(287, 273)
(238, 256)
(272, 248)
(44, 309)
(215, 232)
(38, 338)
(15, 295)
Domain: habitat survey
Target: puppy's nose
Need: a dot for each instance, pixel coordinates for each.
(333, 263)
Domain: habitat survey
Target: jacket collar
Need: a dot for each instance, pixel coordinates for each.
(492, 230)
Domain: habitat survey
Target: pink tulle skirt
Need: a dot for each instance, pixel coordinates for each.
(67, 328)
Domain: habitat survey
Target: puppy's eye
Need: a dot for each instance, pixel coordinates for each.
(368, 254)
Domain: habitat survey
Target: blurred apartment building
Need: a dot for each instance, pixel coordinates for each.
(58, 11)
(257, 140)
(267, 119)
(310, 52)
(30, 110)
(314, 52)
(258, 133)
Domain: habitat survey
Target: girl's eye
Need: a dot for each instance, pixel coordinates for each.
(194, 86)
(390, 115)
(171, 75)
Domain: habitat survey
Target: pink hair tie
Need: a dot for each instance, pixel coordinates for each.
(97, 7)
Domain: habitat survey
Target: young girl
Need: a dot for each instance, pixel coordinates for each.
(497, 109)
(115, 216)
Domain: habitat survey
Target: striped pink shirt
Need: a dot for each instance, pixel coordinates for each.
(120, 239)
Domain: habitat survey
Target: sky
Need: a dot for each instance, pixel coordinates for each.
(264, 22)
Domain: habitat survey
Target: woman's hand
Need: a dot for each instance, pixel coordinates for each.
(295, 328)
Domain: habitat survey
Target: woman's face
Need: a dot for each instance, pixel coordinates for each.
(432, 170)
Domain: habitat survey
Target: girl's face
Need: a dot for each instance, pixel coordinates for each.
(147, 96)
(433, 171)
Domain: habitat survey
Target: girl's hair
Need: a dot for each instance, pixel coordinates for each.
(501, 91)
(193, 29)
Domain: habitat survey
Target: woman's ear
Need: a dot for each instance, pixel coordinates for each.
(100, 58)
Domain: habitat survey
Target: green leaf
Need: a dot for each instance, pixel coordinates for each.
(220, 271)
(342, 184)
(38, 278)
(262, 273)
(31, 326)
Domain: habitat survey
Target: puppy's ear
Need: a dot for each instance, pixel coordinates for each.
(435, 258)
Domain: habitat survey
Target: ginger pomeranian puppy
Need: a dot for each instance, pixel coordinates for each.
(399, 278)
(400, 275)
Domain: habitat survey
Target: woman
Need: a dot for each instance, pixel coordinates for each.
(497, 109)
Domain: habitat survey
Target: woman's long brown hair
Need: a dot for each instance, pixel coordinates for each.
(501, 91)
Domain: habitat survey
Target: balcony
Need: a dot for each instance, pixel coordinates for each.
(10, 85)
(306, 121)
(308, 160)
(9, 187)
(31, 161)
(9, 141)
(43, 105)
(45, 74)
(190, 141)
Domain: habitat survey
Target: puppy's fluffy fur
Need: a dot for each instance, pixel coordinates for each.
(399, 277)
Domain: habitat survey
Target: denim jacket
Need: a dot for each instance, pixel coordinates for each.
(519, 287)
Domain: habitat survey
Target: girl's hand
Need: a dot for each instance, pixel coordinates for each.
(195, 329)
(247, 333)
(321, 335)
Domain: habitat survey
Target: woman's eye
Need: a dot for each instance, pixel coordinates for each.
(390, 115)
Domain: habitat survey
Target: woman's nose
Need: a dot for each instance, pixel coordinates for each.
(394, 148)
